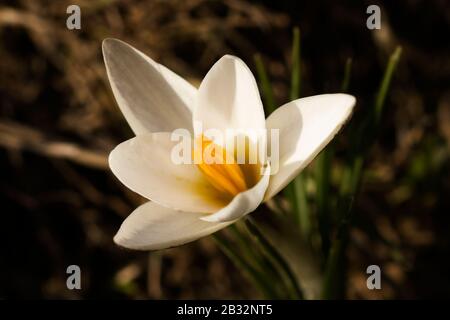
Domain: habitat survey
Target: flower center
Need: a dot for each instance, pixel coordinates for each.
(221, 170)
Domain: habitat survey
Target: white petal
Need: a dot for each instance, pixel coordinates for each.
(306, 126)
(151, 97)
(243, 203)
(152, 227)
(144, 165)
(228, 98)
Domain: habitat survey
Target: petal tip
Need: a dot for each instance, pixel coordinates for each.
(229, 57)
(112, 48)
(109, 43)
(347, 99)
(120, 240)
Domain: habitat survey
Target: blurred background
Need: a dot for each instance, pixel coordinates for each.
(60, 204)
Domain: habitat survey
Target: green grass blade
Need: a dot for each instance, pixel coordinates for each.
(297, 188)
(351, 182)
(266, 86)
(385, 83)
(276, 258)
(301, 205)
(258, 279)
(347, 75)
(296, 65)
(246, 247)
(322, 170)
(333, 286)
(323, 176)
(254, 254)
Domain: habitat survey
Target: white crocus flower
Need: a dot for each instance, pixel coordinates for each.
(187, 203)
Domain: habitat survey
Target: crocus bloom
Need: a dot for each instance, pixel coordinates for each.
(191, 201)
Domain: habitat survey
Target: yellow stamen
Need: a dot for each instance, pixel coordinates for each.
(211, 159)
